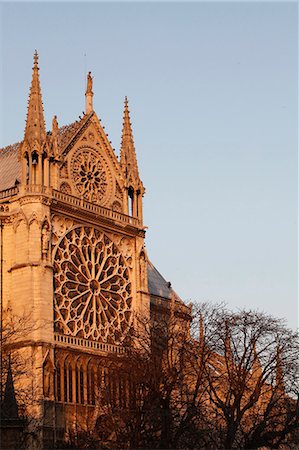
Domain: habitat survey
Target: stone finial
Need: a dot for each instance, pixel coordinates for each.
(54, 126)
(128, 160)
(35, 60)
(35, 130)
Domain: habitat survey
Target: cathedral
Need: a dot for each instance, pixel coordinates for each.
(74, 263)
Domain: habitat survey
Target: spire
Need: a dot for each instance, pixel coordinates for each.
(9, 405)
(256, 364)
(129, 167)
(35, 130)
(201, 332)
(227, 347)
(279, 372)
(128, 160)
(89, 95)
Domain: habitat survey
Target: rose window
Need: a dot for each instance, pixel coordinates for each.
(90, 175)
(92, 290)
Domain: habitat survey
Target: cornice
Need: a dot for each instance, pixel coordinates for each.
(90, 217)
(30, 264)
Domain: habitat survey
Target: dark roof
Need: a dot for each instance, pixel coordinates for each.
(66, 132)
(10, 167)
(9, 406)
(158, 286)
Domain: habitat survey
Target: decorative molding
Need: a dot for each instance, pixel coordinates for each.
(92, 287)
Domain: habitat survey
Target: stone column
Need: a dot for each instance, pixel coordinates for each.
(46, 171)
(39, 178)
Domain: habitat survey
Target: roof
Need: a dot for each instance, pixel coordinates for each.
(158, 286)
(66, 132)
(10, 167)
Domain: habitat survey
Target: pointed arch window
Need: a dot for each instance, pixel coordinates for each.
(81, 385)
(77, 384)
(90, 385)
(58, 383)
(65, 382)
(70, 383)
(130, 200)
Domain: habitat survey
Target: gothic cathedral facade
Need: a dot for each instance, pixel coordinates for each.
(73, 260)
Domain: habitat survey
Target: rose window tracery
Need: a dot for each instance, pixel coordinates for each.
(91, 176)
(92, 289)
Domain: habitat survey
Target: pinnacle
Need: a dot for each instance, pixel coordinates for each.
(35, 59)
(128, 158)
(35, 124)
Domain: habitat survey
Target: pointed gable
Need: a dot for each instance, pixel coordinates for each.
(89, 166)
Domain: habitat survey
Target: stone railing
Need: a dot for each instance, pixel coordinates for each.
(96, 209)
(9, 192)
(85, 343)
(71, 200)
(37, 189)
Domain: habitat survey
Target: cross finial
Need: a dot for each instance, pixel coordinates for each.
(35, 58)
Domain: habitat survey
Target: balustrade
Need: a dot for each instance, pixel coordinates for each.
(79, 342)
(9, 192)
(74, 201)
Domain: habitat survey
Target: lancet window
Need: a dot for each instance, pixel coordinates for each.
(91, 384)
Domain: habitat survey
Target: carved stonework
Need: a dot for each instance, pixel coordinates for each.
(116, 206)
(91, 176)
(66, 188)
(18, 219)
(118, 192)
(126, 246)
(143, 269)
(45, 239)
(92, 288)
(63, 172)
(34, 218)
(60, 226)
(48, 377)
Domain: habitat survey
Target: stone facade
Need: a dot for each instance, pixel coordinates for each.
(73, 259)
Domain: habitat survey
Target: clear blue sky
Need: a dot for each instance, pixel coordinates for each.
(213, 95)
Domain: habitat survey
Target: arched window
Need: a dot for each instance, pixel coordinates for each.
(137, 203)
(58, 383)
(93, 397)
(70, 379)
(65, 382)
(130, 200)
(81, 385)
(90, 385)
(77, 385)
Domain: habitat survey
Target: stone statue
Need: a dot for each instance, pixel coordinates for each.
(45, 239)
(89, 83)
(143, 271)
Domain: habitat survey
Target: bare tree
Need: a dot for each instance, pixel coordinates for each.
(16, 374)
(251, 379)
(231, 381)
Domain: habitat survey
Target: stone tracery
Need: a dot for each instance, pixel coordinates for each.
(90, 175)
(92, 287)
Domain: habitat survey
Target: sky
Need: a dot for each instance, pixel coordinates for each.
(213, 92)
